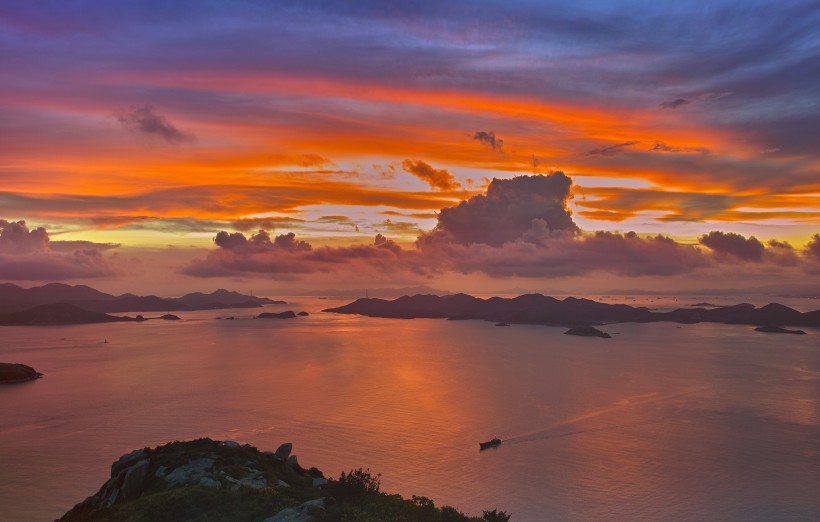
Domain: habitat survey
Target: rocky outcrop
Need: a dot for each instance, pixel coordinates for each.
(169, 317)
(587, 331)
(303, 314)
(203, 463)
(12, 373)
(227, 481)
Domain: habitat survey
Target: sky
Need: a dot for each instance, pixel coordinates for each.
(466, 145)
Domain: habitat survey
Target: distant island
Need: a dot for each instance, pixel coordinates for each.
(60, 314)
(569, 312)
(777, 329)
(12, 373)
(14, 298)
(224, 481)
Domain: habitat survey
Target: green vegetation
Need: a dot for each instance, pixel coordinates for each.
(208, 481)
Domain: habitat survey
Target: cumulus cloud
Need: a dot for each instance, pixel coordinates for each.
(507, 211)
(286, 256)
(146, 120)
(519, 227)
(489, 139)
(674, 104)
(736, 245)
(437, 179)
(27, 255)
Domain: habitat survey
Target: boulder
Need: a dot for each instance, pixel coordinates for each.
(319, 482)
(307, 512)
(283, 451)
(230, 444)
(208, 482)
(292, 462)
(190, 473)
(303, 314)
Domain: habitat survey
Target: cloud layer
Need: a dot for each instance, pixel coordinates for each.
(27, 255)
(519, 227)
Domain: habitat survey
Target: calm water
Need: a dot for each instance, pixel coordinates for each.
(700, 422)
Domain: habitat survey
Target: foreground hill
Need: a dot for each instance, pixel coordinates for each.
(540, 309)
(58, 313)
(223, 481)
(14, 298)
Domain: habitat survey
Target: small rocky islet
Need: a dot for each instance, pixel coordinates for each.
(210, 480)
(13, 373)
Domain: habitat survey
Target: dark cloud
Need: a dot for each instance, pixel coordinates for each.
(812, 250)
(747, 249)
(612, 149)
(437, 179)
(507, 211)
(490, 140)
(287, 256)
(268, 223)
(674, 104)
(400, 227)
(147, 121)
(567, 255)
(27, 255)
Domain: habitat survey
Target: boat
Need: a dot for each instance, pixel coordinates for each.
(490, 443)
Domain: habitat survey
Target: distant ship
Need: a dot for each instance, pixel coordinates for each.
(490, 443)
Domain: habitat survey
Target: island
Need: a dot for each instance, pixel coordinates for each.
(777, 329)
(205, 479)
(587, 331)
(12, 373)
(272, 315)
(14, 298)
(59, 314)
(570, 312)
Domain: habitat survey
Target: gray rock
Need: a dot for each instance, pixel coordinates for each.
(283, 451)
(208, 482)
(160, 472)
(292, 461)
(191, 472)
(251, 481)
(134, 478)
(230, 444)
(307, 512)
(283, 484)
(126, 461)
(319, 481)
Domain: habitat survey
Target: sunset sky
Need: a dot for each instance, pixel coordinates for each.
(153, 141)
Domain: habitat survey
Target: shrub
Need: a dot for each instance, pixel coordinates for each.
(496, 516)
(356, 485)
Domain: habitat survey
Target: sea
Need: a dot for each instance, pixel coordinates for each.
(662, 422)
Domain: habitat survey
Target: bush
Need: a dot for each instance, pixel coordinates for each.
(356, 485)
(496, 516)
